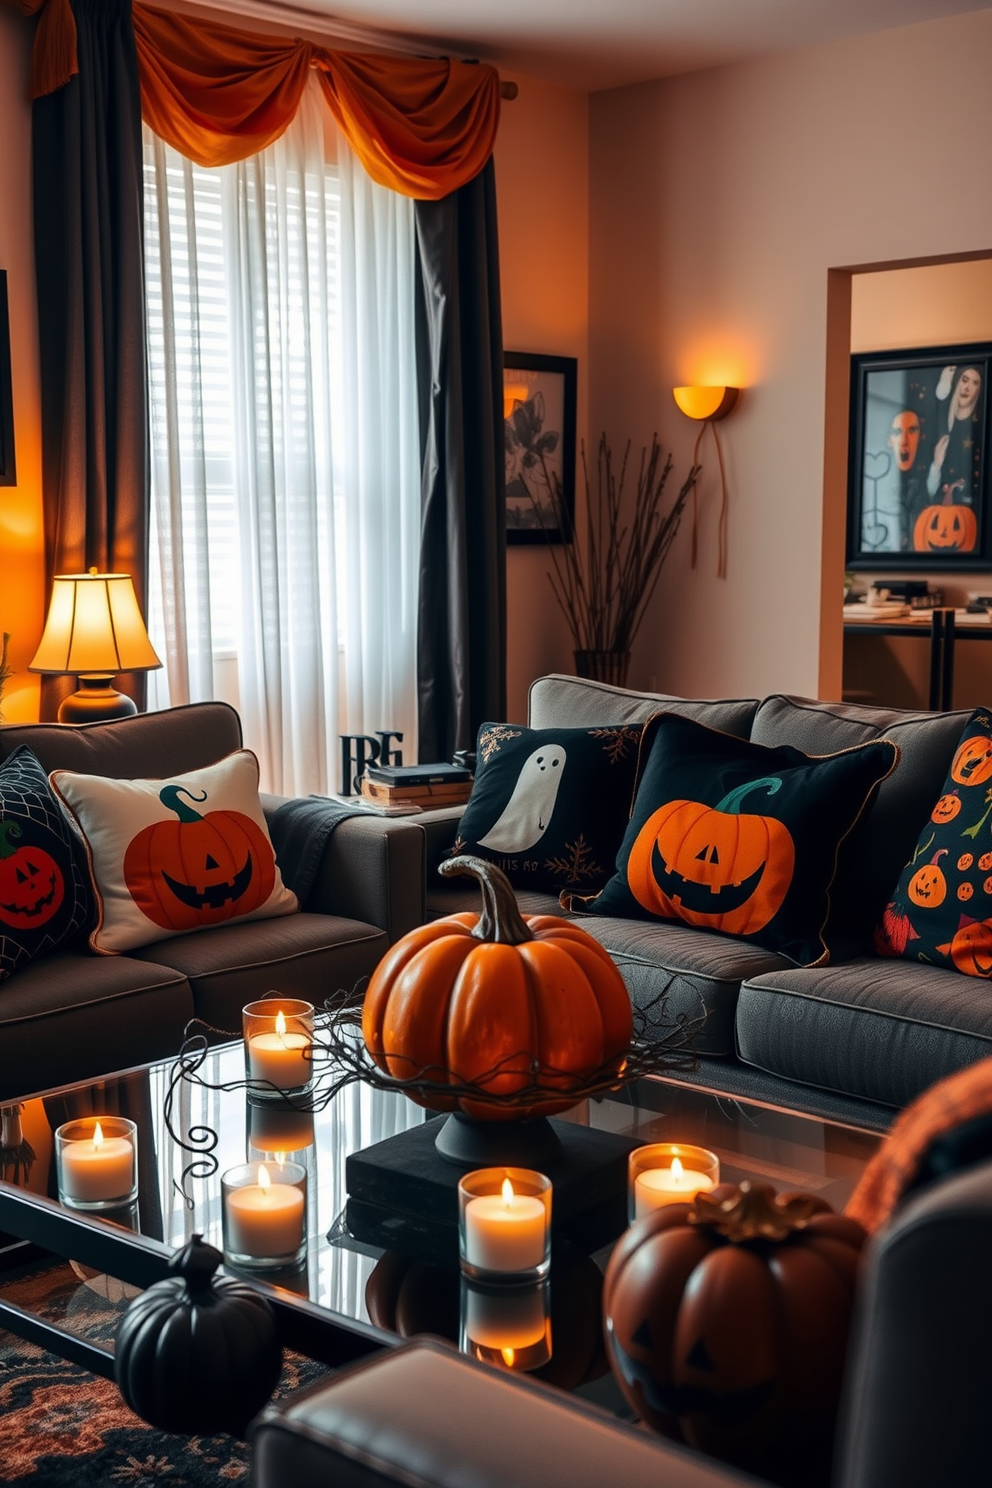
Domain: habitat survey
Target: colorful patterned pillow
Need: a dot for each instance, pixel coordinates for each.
(549, 806)
(733, 836)
(44, 896)
(171, 856)
(941, 910)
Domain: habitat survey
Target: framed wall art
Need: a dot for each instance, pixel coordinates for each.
(539, 441)
(918, 487)
(8, 474)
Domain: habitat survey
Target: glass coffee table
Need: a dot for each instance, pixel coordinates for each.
(350, 1297)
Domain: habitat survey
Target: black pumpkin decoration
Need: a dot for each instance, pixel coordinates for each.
(195, 1354)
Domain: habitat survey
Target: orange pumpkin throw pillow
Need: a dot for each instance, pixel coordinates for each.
(941, 908)
(732, 836)
(170, 856)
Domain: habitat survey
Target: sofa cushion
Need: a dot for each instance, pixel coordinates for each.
(941, 910)
(184, 738)
(882, 841)
(575, 702)
(879, 1030)
(161, 866)
(733, 836)
(45, 900)
(673, 973)
(312, 956)
(549, 806)
(74, 1016)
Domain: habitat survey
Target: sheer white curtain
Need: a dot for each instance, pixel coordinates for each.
(285, 446)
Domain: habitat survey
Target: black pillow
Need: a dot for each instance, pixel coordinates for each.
(941, 909)
(733, 836)
(44, 895)
(549, 806)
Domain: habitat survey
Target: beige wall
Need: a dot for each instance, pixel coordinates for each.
(719, 202)
(21, 535)
(543, 196)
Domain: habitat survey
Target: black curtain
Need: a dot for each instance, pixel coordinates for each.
(461, 640)
(89, 260)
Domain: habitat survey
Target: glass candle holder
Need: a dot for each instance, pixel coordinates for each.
(96, 1162)
(504, 1224)
(264, 1215)
(278, 1035)
(507, 1326)
(665, 1173)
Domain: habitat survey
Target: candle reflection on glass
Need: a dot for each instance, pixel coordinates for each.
(506, 1325)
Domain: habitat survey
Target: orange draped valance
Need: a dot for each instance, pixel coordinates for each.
(422, 127)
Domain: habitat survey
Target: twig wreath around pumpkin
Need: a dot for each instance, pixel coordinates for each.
(533, 1023)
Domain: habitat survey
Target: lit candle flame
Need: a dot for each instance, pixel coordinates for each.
(97, 1134)
(508, 1357)
(678, 1172)
(264, 1181)
(280, 1024)
(507, 1192)
(281, 1159)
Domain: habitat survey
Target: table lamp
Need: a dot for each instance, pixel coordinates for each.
(94, 628)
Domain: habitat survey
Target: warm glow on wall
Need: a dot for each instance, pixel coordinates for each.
(514, 393)
(706, 402)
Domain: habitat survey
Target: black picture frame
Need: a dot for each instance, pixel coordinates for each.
(919, 444)
(539, 394)
(8, 468)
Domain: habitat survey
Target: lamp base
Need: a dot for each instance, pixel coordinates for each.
(96, 702)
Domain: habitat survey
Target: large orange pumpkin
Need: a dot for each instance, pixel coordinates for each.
(953, 528)
(727, 1323)
(713, 866)
(199, 870)
(499, 1001)
(972, 763)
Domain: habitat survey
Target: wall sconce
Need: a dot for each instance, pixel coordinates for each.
(707, 405)
(94, 629)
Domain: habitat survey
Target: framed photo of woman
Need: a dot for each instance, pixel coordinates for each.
(919, 471)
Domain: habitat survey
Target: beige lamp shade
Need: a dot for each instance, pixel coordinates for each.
(705, 402)
(94, 628)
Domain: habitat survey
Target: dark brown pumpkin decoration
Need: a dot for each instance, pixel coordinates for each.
(194, 1354)
(928, 886)
(727, 1323)
(972, 763)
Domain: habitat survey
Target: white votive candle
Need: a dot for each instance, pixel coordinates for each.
(97, 1167)
(656, 1187)
(281, 1058)
(264, 1218)
(505, 1231)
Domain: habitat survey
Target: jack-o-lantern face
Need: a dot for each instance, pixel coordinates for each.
(950, 528)
(973, 761)
(985, 862)
(31, 883)
(199, 870)
(965, 890)
(928, 886)
(946, 808)
(965, 861)
(971, 948)
(713, 866)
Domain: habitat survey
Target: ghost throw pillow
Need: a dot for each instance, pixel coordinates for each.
(732, 836)
(170, 856)
(549, 806)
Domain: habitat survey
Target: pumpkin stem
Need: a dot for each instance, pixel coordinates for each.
(500, 920)
(940, 853)
(11, 827)
(732, 802)
(754, 1211)
(196, 1264)
(169, 796)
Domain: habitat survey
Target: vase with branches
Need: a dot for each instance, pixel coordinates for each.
(604, 584)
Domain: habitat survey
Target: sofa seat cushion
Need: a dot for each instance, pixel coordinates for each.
(312, 956)
(74, 1016)
(879, 1030)
(671, 971)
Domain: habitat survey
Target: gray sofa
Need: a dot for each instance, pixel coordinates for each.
(854, 1040)
(74, 1015)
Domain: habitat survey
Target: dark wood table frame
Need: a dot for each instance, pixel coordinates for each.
(943, 633)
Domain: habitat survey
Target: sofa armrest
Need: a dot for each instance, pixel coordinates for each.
(426, 1415)
(372, 870)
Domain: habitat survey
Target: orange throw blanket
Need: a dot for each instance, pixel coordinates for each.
(949, 1103)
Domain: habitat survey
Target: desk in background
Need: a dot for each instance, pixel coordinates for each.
(942, 633)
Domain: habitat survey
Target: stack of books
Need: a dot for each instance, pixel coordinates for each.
(426, 786)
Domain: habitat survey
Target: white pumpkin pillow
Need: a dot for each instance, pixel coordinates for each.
(170, 856)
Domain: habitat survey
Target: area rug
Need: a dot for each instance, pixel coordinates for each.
(61, 1427)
